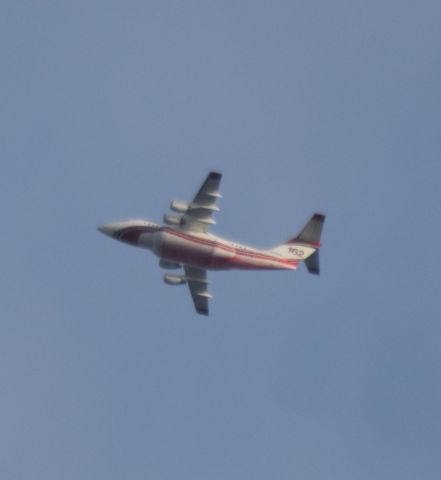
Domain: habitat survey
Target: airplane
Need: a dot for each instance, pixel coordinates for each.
(184, 242)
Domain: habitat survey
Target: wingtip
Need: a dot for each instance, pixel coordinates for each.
(320, 217)
(215, 175)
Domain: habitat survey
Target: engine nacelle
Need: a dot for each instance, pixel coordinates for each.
(172, 219)
(174, 279)
(180, 207)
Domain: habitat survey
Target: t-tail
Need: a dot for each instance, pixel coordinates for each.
(305, 246)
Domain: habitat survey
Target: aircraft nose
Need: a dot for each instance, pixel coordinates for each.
(108, 229)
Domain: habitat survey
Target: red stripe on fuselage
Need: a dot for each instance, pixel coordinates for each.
(234, 261)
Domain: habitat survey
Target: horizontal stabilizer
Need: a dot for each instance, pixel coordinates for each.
(313, 263)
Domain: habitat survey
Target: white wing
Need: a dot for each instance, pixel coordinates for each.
(200, 211)
(197, 282)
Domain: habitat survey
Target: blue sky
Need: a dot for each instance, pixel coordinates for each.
(109, 110)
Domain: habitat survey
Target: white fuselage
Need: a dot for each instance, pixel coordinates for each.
(200, 250)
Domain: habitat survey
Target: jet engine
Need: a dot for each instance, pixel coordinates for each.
(172, 219)
(180, 207)
(174, 279)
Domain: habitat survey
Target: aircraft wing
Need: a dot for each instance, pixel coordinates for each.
(197, 282)
(200, 213)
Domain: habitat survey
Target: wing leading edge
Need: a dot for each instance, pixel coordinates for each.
(200, 212)
(197, 282)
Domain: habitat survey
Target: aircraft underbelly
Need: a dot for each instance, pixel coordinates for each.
(195, 251)
(182, 250)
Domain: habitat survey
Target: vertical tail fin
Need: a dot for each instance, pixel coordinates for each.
(312, 231)
(304, 247)
(310, 237)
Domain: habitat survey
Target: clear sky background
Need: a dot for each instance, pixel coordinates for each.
(108, 111)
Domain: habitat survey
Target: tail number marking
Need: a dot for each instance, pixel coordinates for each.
(296, 252)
